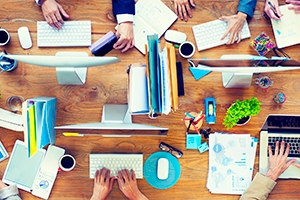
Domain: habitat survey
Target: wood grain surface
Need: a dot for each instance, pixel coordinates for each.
(108, 84)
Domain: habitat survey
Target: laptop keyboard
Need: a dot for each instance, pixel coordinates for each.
(284, 121)
(293, 141)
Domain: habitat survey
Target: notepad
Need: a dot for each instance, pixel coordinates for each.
(151, 17)
(287, 29)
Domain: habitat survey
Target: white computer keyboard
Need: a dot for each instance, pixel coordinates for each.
(73, 33)
(208, 35)
(116, 162)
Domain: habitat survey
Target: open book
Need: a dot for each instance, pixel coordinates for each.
(151, 16)
(287, 29)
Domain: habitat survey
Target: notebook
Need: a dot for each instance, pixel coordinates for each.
(151, 17)
(287, 29)
(280, 127)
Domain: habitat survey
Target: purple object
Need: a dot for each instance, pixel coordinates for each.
(104, 44)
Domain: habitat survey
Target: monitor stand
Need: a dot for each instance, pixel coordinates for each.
(71, 75)
(116, 113)
(236, 80)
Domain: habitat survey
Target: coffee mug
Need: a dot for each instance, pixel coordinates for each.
(186, 49)
(4, 37)
(66, 162)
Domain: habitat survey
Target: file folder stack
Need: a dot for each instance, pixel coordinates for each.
(153, 87)
(39, 116)
(231, 161)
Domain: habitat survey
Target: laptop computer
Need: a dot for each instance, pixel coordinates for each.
(278, 127)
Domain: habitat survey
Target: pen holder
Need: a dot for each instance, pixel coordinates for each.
(262, 44)
(198, 125)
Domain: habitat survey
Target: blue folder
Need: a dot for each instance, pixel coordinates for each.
(45, 121)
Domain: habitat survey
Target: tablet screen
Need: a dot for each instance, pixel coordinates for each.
(20, 169)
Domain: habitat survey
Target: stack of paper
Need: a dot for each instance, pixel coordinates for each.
(162, 77)
(153, 87)
(231, 161)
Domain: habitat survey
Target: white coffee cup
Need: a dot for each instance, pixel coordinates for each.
(66, 162)
(4, 37)
(186, 49)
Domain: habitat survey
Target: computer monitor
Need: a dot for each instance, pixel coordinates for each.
(116, 122)
(71, 67)
(237, 72)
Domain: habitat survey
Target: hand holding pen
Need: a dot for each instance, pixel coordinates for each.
(272, 9)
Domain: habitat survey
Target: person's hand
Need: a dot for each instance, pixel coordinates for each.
(277, 161)
(125, 36)
(2, 185)
(183, 8)
(295, 5)
(270, 12)
(102, 184)
(53, 13)
(128, 185)
(235, 26)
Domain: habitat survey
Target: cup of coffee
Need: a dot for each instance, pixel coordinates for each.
(186, 49)
(66, 163)
(4, 37)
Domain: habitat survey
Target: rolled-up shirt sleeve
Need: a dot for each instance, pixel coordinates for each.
(260, 188)
(10, 193)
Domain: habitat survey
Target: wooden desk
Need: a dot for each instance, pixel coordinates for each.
(107, 84)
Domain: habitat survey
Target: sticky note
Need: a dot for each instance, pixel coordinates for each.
(193, 141)
(203, 147)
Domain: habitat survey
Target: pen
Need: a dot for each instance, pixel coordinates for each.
(273, 9)
(188, 128)
(189, 115)
(73, 134)
(198, 120)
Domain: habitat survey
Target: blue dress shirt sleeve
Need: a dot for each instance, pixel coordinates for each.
(247, 7)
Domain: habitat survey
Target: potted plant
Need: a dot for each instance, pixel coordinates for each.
(241, 111)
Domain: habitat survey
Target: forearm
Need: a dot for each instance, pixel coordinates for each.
(260, 188)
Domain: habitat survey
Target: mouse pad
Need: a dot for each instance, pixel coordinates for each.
(150, 170)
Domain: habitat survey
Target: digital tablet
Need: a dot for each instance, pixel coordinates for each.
(22, 170)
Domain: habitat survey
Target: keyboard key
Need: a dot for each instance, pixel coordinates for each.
(292, 141)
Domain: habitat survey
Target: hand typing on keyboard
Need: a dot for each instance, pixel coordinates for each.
(235, 26)
(53, 13)
(126, 180)
(278, 161)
